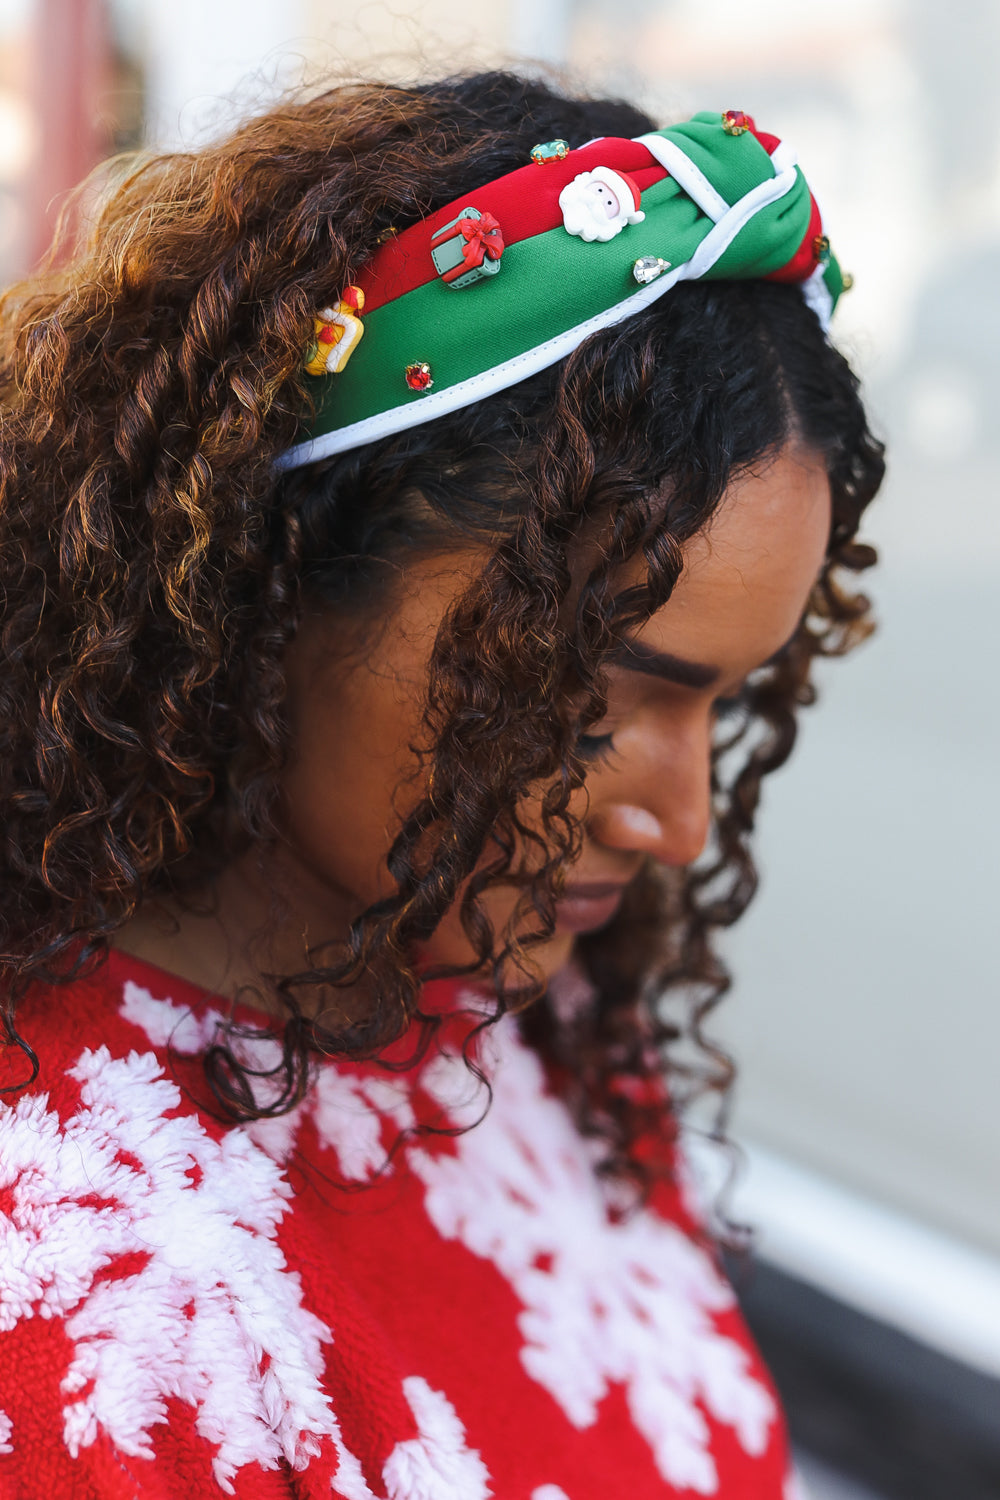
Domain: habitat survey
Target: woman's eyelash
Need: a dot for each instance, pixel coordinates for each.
(729, 708)
(595, 746)
(601, 746)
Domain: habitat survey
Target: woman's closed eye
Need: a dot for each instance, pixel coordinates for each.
(595, 747)
(601, 747)
(730, 707)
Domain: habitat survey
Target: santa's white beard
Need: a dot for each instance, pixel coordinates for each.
(587, 219)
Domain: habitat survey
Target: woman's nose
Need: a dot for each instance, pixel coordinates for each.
(656, 797)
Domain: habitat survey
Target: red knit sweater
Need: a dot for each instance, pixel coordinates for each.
(189, 1311)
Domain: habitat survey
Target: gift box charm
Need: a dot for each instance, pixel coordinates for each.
(468, 249)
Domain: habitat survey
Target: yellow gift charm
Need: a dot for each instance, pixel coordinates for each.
(338, 333)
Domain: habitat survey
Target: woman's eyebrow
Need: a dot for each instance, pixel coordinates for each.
(633, 656)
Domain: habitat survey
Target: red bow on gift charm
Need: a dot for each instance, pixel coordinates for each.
(483, 240)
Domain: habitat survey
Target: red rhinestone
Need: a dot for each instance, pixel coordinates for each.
(736, 122)
(418, 376)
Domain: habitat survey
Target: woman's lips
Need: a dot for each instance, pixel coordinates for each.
(585, 907)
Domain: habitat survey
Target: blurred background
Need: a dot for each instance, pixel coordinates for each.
(865, 1015)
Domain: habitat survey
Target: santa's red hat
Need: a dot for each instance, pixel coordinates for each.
(624, 188)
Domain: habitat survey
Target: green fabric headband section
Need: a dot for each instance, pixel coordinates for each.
(553, 288)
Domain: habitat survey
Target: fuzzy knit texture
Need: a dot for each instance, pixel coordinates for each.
(193, 1310)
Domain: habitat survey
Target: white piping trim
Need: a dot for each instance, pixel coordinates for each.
(510, 372)
(783, 156)
(721, 235)
(498, 378)
(817, 294)
(934, 1288)
(688, 176)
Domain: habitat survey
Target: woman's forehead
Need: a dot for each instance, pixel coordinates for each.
(747, 577)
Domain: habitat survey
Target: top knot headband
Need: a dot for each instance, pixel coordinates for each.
(514, 275)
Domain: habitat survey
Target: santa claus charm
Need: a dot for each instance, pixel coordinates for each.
(597, 205)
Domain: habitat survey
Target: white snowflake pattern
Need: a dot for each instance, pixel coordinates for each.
(204, 1310)
(168, 1024)
(348, 1109)
(629, 1302)
(437, 1465)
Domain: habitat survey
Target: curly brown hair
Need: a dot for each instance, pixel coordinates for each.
(154, 568)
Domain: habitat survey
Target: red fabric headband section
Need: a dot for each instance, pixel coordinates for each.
(803, 262)
(526, 203)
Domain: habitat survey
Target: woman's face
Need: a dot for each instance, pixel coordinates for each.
(744, 587)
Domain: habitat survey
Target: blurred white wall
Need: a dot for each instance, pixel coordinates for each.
(205, 58)
(18, 132)
(207, 63)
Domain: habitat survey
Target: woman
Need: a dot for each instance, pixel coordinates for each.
(418, 525)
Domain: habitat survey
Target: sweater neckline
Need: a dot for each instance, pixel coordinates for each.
(441, 996)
